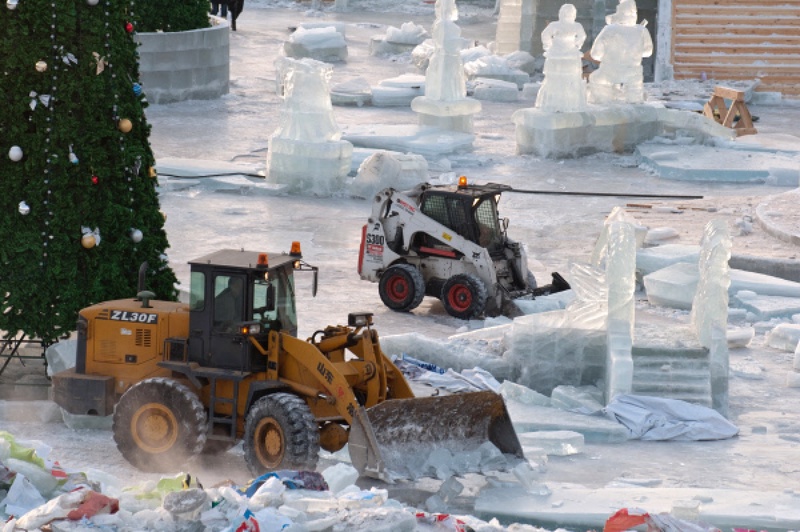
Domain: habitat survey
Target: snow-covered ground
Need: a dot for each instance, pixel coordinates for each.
(747, 480)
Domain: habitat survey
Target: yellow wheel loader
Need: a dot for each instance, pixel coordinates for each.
(181, 379)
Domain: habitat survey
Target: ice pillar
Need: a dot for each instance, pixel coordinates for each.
(710, 307)
(306, 151)
(515, 27)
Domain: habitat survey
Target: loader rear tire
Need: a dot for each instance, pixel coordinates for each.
(159, 424)
(280, 433)
(464, 296)
(402, 287)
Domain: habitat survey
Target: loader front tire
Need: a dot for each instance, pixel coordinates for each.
(280, 433)
(159, 424)
(402, 287)
(464, 296)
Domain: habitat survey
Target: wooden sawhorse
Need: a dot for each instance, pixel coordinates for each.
(716, 110)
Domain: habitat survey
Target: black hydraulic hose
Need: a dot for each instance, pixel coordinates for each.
(611, 194)
(226, 174)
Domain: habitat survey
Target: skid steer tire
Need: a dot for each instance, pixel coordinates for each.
(402, 287)
(280, 433)
(159, 424)
(464, 296)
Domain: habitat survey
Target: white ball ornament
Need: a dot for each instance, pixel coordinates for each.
(92, 2)
(24, 208)
(11, 4)
(15, 153)
(41, 66)
(136, 236)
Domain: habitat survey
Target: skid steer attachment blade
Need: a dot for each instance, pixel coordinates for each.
(385, 436)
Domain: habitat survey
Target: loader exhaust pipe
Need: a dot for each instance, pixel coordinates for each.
(142, 275)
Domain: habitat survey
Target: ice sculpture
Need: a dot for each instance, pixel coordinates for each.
(445, 103)
(306, 151)
(563, 88)
(710, 307)
(620, 47)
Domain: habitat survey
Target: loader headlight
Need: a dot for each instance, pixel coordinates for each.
(250, 328)
(361, 319)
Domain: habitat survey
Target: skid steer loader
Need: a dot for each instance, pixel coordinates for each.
(181, 379)
(446, 241)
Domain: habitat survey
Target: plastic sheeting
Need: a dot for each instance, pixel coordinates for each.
(657, 418)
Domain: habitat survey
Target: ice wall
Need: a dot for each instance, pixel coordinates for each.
(710, 307)
(563, 346)
(306, 151)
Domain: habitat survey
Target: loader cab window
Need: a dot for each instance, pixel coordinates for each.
(229, 300)
(274, 301)
(488, 223)
(197, 291)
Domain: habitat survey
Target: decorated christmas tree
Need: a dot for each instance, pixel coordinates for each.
(79, 211)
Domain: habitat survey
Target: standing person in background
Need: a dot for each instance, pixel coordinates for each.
(236, 9)
(215, 8)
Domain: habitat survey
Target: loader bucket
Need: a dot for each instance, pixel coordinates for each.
(385, 436)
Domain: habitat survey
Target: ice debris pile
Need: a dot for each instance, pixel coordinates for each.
(36, 493)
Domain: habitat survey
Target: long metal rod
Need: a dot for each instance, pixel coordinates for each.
(611, 194)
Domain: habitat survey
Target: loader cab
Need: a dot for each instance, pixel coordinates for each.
(229, 288)
(469, 210)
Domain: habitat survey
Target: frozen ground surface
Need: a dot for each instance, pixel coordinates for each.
(204, 215)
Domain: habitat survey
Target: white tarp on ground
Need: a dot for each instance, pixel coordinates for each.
(656, 418)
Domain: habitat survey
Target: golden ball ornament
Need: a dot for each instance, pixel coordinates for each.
(125, 125)
(88, 241)
(41, 66)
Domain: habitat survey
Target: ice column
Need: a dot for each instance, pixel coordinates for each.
(621, 281)
(514, 26)
(445, 103)
(563, 88)
(710, 307)
(620, 47)
(306, 151)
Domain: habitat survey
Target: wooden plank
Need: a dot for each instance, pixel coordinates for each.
(729, 93)
(754, 60)
(777, 41)
(737, 12)
(746, 3)
(712, 30)
(693, 19)
(737, 49)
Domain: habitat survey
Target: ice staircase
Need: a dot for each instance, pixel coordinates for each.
(672, 373)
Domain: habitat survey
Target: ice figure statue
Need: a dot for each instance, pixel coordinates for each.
(306, 151)
(710, 307)
(563, 88)
(445, 103)
(620, 47)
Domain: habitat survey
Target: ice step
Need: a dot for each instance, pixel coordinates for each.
(682, 374)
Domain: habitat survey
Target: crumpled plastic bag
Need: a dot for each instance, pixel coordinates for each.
(308, 480)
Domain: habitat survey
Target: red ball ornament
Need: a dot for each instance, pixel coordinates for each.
(129, 27)
(95, 179)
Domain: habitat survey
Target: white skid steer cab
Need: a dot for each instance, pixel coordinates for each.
(446, 241)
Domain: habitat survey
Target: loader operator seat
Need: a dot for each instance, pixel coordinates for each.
(229, 304)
